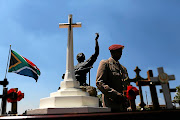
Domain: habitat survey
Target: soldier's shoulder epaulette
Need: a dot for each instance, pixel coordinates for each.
(105, 61)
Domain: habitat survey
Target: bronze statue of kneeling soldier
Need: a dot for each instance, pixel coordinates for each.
(83, 67)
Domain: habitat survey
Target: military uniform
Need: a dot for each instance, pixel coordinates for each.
(111, 81)
(81, 69)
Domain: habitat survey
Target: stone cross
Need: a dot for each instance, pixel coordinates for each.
(163, 78)
(147, 82)
(69, 75)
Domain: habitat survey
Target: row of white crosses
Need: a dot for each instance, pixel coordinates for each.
(163, 78)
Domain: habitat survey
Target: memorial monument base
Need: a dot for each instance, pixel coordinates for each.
(69, 101)
(69, 97)
(48, 111)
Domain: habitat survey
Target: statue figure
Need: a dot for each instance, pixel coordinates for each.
(83, 67)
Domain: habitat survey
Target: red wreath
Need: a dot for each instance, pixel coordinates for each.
(15, 99)
(132, 92)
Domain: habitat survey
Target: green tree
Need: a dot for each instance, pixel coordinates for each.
(177, 96)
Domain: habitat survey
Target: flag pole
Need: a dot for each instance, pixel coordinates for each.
(7, 67)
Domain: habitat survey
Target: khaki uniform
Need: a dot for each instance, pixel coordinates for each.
(111, 81)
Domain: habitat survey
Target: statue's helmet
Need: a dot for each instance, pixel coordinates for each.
(80, 57)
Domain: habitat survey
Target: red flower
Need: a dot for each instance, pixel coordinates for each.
(132, 92)
(14, 96)
(11, 91)
(20, 95)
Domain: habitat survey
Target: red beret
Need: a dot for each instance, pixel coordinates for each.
(115, 47)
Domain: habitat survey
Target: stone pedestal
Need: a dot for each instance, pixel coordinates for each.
(50, 111)
(68, 100)
(74, 98)
(70, 95)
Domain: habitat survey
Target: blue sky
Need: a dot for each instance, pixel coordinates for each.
(149, 30)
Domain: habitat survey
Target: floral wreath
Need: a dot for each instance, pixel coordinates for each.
(132, 92)
(18, 95)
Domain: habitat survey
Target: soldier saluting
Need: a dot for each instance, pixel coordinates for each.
(110, 80)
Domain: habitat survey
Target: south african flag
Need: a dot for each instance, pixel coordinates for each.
(23, 66)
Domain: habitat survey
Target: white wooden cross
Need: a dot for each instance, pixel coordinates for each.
(69, 75)
(163, 78)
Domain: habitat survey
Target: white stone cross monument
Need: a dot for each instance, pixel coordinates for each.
(70, 75)
(70, 94)
(163, 78)
(70, 98)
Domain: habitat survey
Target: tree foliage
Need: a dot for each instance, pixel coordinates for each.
(177, 96)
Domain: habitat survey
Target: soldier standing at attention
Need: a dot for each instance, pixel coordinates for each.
(111, 80)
